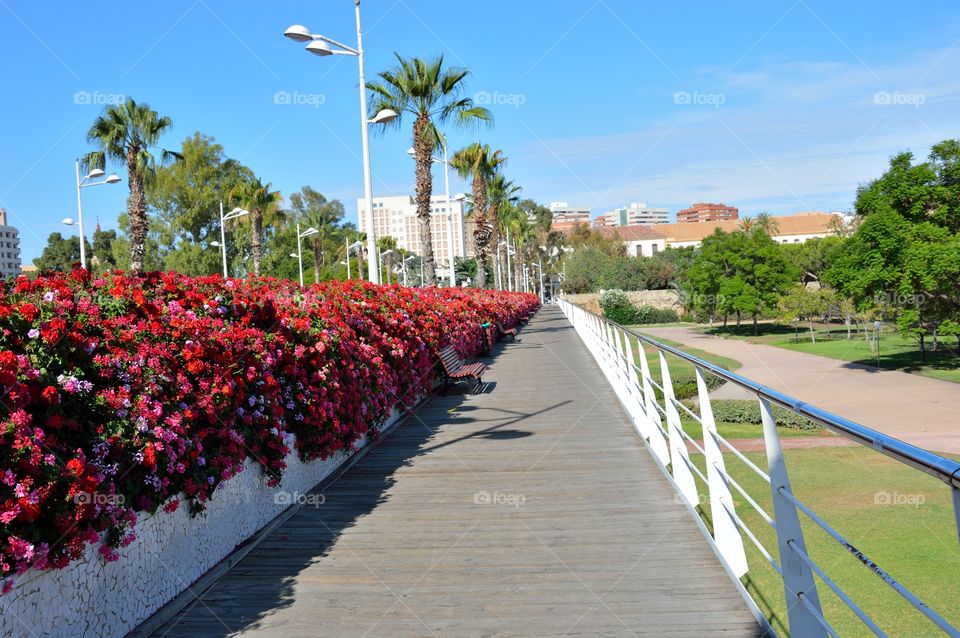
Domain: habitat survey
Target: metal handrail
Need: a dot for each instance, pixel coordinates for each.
(611, 345)
(947, 470)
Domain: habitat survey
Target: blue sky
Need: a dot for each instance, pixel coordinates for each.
(773, 105)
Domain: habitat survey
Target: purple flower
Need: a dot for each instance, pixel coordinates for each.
(49, 296)
(33, 333)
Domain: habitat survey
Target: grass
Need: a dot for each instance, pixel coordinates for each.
(895, 352)
(914, 539)
(679, 367)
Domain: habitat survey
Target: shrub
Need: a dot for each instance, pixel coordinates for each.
(136, 390)
(747, 411)
(651, 314)
(617, 307)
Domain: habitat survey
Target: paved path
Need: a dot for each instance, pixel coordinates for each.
(916, 409)
(532, 509)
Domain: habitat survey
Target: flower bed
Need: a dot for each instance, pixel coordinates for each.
(124, 394)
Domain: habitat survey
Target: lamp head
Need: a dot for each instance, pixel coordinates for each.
(384, 116)
(112, 178)
(298, 33)
(319, 47)
(95, 173)
(68, 221)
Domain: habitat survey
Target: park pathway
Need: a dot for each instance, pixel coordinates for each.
(532, 509)
(915, 409)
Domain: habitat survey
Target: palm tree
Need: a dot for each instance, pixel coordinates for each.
(256, 197)
(502, 194)
(480, 163)
(767, 223)
(384, 244)
(314, 210)
(431, 95)
(126, 133)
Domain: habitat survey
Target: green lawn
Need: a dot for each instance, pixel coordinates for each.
(914, 539)
(895, 352)
(678, 367)
(740, 430)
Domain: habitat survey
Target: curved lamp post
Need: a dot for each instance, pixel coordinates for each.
(323, 46)
(234, 214)
(300, 236)
(84, 182)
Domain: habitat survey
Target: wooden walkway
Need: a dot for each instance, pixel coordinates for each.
(532, 509)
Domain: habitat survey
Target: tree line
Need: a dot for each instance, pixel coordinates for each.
(172, 215)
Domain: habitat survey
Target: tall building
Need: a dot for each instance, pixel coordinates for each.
(397, 216)
(706, 212)
(9, 248)
(637, 213)
(565, 217)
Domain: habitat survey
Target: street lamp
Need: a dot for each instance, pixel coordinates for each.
(96, 173)
(350, 247)
(234, 214)
(382, 255)
(300, 236)
(459, 197)
(404, 265)
(320, 45)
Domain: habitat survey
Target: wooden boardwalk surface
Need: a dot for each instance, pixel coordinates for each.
(530, 510)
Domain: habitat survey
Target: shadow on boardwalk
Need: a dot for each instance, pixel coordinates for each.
(531, 509)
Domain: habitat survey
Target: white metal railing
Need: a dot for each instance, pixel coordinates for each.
(611, 346)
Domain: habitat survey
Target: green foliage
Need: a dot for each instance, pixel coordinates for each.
(904, 259)
(748, 411)
(739, 273)
(652, 314)
(617, 307)
(60, 253)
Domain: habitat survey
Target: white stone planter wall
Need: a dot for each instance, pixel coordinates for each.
(172, 550)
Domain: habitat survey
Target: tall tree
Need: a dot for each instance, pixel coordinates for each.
(256, 197)
(60, 253)
(432, 95)
(312, 209)
(126, 133)
(503, 196)
(479, 163)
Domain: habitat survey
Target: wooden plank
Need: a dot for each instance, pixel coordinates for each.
(530, 509)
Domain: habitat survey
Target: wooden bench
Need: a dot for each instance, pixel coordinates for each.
(507, 332)
(454, 369)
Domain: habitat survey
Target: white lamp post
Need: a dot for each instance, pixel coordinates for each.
(112, 178)
(382, 255)
(320, 45)
(300, 236)
(350, 248)
(234, 214)
(404, 264)
(459, 197)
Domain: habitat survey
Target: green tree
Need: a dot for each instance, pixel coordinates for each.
(905, 254)
(803, 303)
(263, 204)
(313, 210)
(103, 258)
(60, 253)
(126, 133)
(478, 162)
(432, 95)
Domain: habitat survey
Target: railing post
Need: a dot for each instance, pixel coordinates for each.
(640, 418)
(797, 575)
(725, 531)
(678, 445)
(657, 442)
